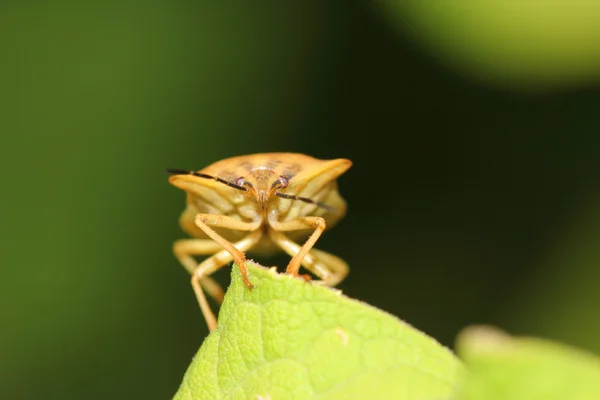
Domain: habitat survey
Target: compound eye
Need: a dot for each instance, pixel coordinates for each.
(240, 181)
(283, 181)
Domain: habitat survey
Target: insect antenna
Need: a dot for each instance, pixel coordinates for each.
(174, 171)
(306, 200)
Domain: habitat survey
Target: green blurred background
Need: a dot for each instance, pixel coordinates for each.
(473, 197)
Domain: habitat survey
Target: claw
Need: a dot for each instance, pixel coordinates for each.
(244, 272)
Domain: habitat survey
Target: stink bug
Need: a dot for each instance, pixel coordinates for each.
(262, 203)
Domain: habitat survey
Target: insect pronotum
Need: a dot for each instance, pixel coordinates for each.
(262, 203)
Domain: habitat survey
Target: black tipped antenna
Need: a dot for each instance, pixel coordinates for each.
(306, 200)
(175, 171)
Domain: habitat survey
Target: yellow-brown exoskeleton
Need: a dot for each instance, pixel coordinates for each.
(263, 203)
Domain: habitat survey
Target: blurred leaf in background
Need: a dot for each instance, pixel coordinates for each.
(534, 44)
(503, 367)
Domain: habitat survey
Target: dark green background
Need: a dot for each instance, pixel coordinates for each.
(467, 203)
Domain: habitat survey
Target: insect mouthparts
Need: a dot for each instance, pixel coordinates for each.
(263, 196)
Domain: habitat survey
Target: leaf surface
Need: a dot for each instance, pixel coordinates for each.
(290, 339)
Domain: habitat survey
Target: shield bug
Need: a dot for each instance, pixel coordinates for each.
(261, 203)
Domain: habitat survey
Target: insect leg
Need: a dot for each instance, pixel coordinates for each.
(338, 268)
(317, 223)
(205, 221)
(331, 269)
(184, 249)
(213, 263)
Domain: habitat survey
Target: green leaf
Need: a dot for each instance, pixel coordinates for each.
(289, 339)
(503, 367)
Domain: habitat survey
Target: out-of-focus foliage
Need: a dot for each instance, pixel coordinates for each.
(502, 367)
(534, 44)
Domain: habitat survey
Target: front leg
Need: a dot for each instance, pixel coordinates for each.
(230, 252)
(316, 223)
(212, 264)
(205, 221)
(331, 269)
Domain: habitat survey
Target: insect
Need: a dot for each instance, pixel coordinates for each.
(264, 203)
